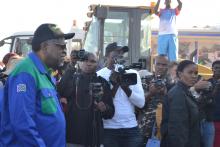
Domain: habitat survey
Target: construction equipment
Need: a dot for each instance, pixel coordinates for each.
(128, 26)
(20, 43)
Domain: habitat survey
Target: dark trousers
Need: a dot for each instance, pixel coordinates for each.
(126, 137)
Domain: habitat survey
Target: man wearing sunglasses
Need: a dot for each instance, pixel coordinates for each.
(31, 113)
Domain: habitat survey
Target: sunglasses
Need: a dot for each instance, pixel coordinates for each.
(63, 46)
(58, 44)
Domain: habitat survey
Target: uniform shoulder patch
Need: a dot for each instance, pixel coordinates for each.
(21, 88)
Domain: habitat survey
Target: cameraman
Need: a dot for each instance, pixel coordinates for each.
(150, 116)
(84, 113)
(122, 130)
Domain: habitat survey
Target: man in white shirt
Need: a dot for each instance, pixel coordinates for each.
(122, 130)
(167, 39)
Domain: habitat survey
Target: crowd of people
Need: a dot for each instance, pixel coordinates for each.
(85, 106)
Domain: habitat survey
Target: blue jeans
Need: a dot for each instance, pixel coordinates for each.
(207, 133)
(126, 137)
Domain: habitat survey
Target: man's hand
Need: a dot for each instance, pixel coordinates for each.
(152, 89)
(201, 84)
(115, 78)
(100, 106)
(157, 7)
(179, 4)
(63, 100)
(162, 90)
(127, 90)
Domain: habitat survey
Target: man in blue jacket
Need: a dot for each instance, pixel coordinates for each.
(31, 113)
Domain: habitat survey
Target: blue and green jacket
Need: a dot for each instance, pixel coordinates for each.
(31, 113)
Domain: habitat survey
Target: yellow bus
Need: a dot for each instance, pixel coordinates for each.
(199, 44)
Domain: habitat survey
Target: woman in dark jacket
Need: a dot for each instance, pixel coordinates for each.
(180, 125)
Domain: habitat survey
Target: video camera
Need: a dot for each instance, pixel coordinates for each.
(80, 55)
(96, 91)
(158, 81)
(126, 78)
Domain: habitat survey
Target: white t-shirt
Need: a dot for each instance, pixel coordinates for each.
(124, 116)
(168, 21)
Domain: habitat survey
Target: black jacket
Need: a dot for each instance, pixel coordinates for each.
(83, 123)
(216, 108)
(181, 123)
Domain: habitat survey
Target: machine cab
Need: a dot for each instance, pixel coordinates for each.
(128, 26)
(19, 43)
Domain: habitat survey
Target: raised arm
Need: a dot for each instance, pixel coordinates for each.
(137, 93)
(157, 7)
(179, 4)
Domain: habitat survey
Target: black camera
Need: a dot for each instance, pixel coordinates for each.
(127, 78)
(96, 91)
(79, 55)
(159, 82)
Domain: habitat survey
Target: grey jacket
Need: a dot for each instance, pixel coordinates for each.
(180, 124)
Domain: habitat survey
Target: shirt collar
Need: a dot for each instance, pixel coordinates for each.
(38, 63)
(184, 86)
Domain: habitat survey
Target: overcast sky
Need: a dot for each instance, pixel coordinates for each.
(26, 15)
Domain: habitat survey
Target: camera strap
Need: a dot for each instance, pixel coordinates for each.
(77, 84)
